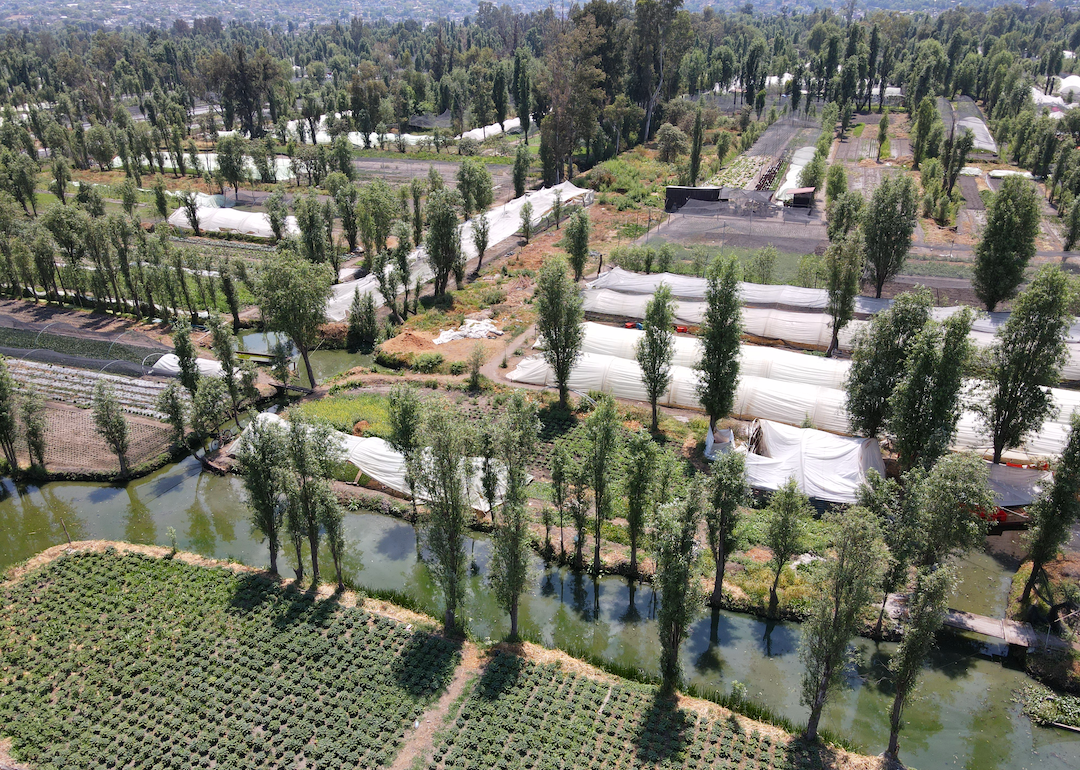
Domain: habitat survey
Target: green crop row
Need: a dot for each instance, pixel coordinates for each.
(110, 660)
(345, 410)
(75, 346)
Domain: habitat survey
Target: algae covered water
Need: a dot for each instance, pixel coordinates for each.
(963, 715)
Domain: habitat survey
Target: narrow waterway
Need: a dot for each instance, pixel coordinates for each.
(324, 363)
(963, 717)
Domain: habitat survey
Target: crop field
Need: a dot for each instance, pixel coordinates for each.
(346, 410)
(537, 716)
(122, 660)
(76, 387)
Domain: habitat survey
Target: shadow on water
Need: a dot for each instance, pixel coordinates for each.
(779, 639)
(397, 543)
(632, 614)
(425, 664)
(664, 732)
(710, 659)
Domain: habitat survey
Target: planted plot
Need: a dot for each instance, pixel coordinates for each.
(76, 386)
(110, 660)
(525, 715)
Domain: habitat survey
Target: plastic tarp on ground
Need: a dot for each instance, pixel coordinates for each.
(219, 220)
(503, 222)
(824, 466)
(984, 140)
(383, 464)
(169, 365)
(799, 160)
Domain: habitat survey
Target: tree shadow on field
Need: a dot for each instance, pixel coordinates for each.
(291, 605)
(426, 664)
(500, 675)
(664, 732)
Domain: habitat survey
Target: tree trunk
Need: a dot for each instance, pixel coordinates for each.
(299, 562)
(123, 465)
(774, 600)
(1036, 568)
(307, 365)
(313, 544)
(834, 342)
(718, 583)
(655, 417)
(273, 555)
(514, 618)
(448, 619)
(818, 704)
(881, 617)
(633, 554)
(564, 396)
(894, 726)
(596, 546)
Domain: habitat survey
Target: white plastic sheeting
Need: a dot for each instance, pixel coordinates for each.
(1016, 487)
(472, 329)
(219, 220)
(486, 132)
(169, 364)
(824, 466)
(503, 222)
(382, 463)
(799, 160)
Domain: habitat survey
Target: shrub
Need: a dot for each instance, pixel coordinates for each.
(468, 146)
(427, 363)
(457, 367)
(393, 359)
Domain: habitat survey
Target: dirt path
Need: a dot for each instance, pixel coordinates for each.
(419, 743)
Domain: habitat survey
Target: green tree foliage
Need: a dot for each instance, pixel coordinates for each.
(844, 267)
(950, 498)
(843, 214)
(882, 132)
(1025, 359)
(263, 459)
(899, 521)
(292, 295)
(278, 211)
(311, 507)
(926, 404)
(720, 336)
(442, 480)
(925, 119)
(405, 414)
(110, 423)
(888, 223)
(521, 169)
(1007, 243)
(231, 160)
(443, 240)
(836, 183)
(787, 518)
(171, 404)
(697, 139)
(680, 596)
(559, 318)
(527, 224)
(224, 345)
(656, 348)
(927, 605)
(480, 233)
(671, 143)
(878, 359)
(727, 491)
(1055, 511)
(363, 327)
(578, 230)
(851, 573)
(602, 430)
(638, 485)
(474, 186)
(9, 416)
(35, 424)
(1072, 225)
(378, 209)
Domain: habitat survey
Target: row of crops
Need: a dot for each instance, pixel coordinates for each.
(105, 350)
(112, 660)
(76, 386)
(533, 716)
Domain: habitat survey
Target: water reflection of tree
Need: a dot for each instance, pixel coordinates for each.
(200, 529)
(139, 524)
(632, 615)
(710, 660)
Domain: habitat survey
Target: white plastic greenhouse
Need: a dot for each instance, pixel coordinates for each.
(169, 364)
(377, 460)
(219, 220)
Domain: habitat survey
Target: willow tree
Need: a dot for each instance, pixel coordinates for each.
(311, 450)
(292, 295)
(888, 224)
(844, 267)
(602, 432)
(443, 480)
(787, 518)
(638, 486)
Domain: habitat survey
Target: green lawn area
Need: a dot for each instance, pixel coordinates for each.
(110, 660)
(343, 411)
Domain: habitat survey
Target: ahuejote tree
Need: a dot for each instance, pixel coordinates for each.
(110, 423)
(680, 595)
(728, 489)
(638, 486)
(656, 348)
(888, 222)
(443, 239)
(1025, 359)
(559, 321)
(1008, 241)
(442, 480)
(577, 241)
(844, 267)
(262, 459)
(785, 531)
(878, 357)
(853, 570)
(602, 431)
(721, 331)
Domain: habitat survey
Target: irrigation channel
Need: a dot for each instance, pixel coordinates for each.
(964, 716)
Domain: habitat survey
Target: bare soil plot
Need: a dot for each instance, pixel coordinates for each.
(397, 172)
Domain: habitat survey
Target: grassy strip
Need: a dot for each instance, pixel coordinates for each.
(75, 346)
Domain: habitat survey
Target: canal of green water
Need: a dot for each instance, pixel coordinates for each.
(963, 715)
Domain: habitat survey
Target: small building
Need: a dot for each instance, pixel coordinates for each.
(803, 197)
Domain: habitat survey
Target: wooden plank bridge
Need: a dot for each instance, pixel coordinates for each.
(1008, 631)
